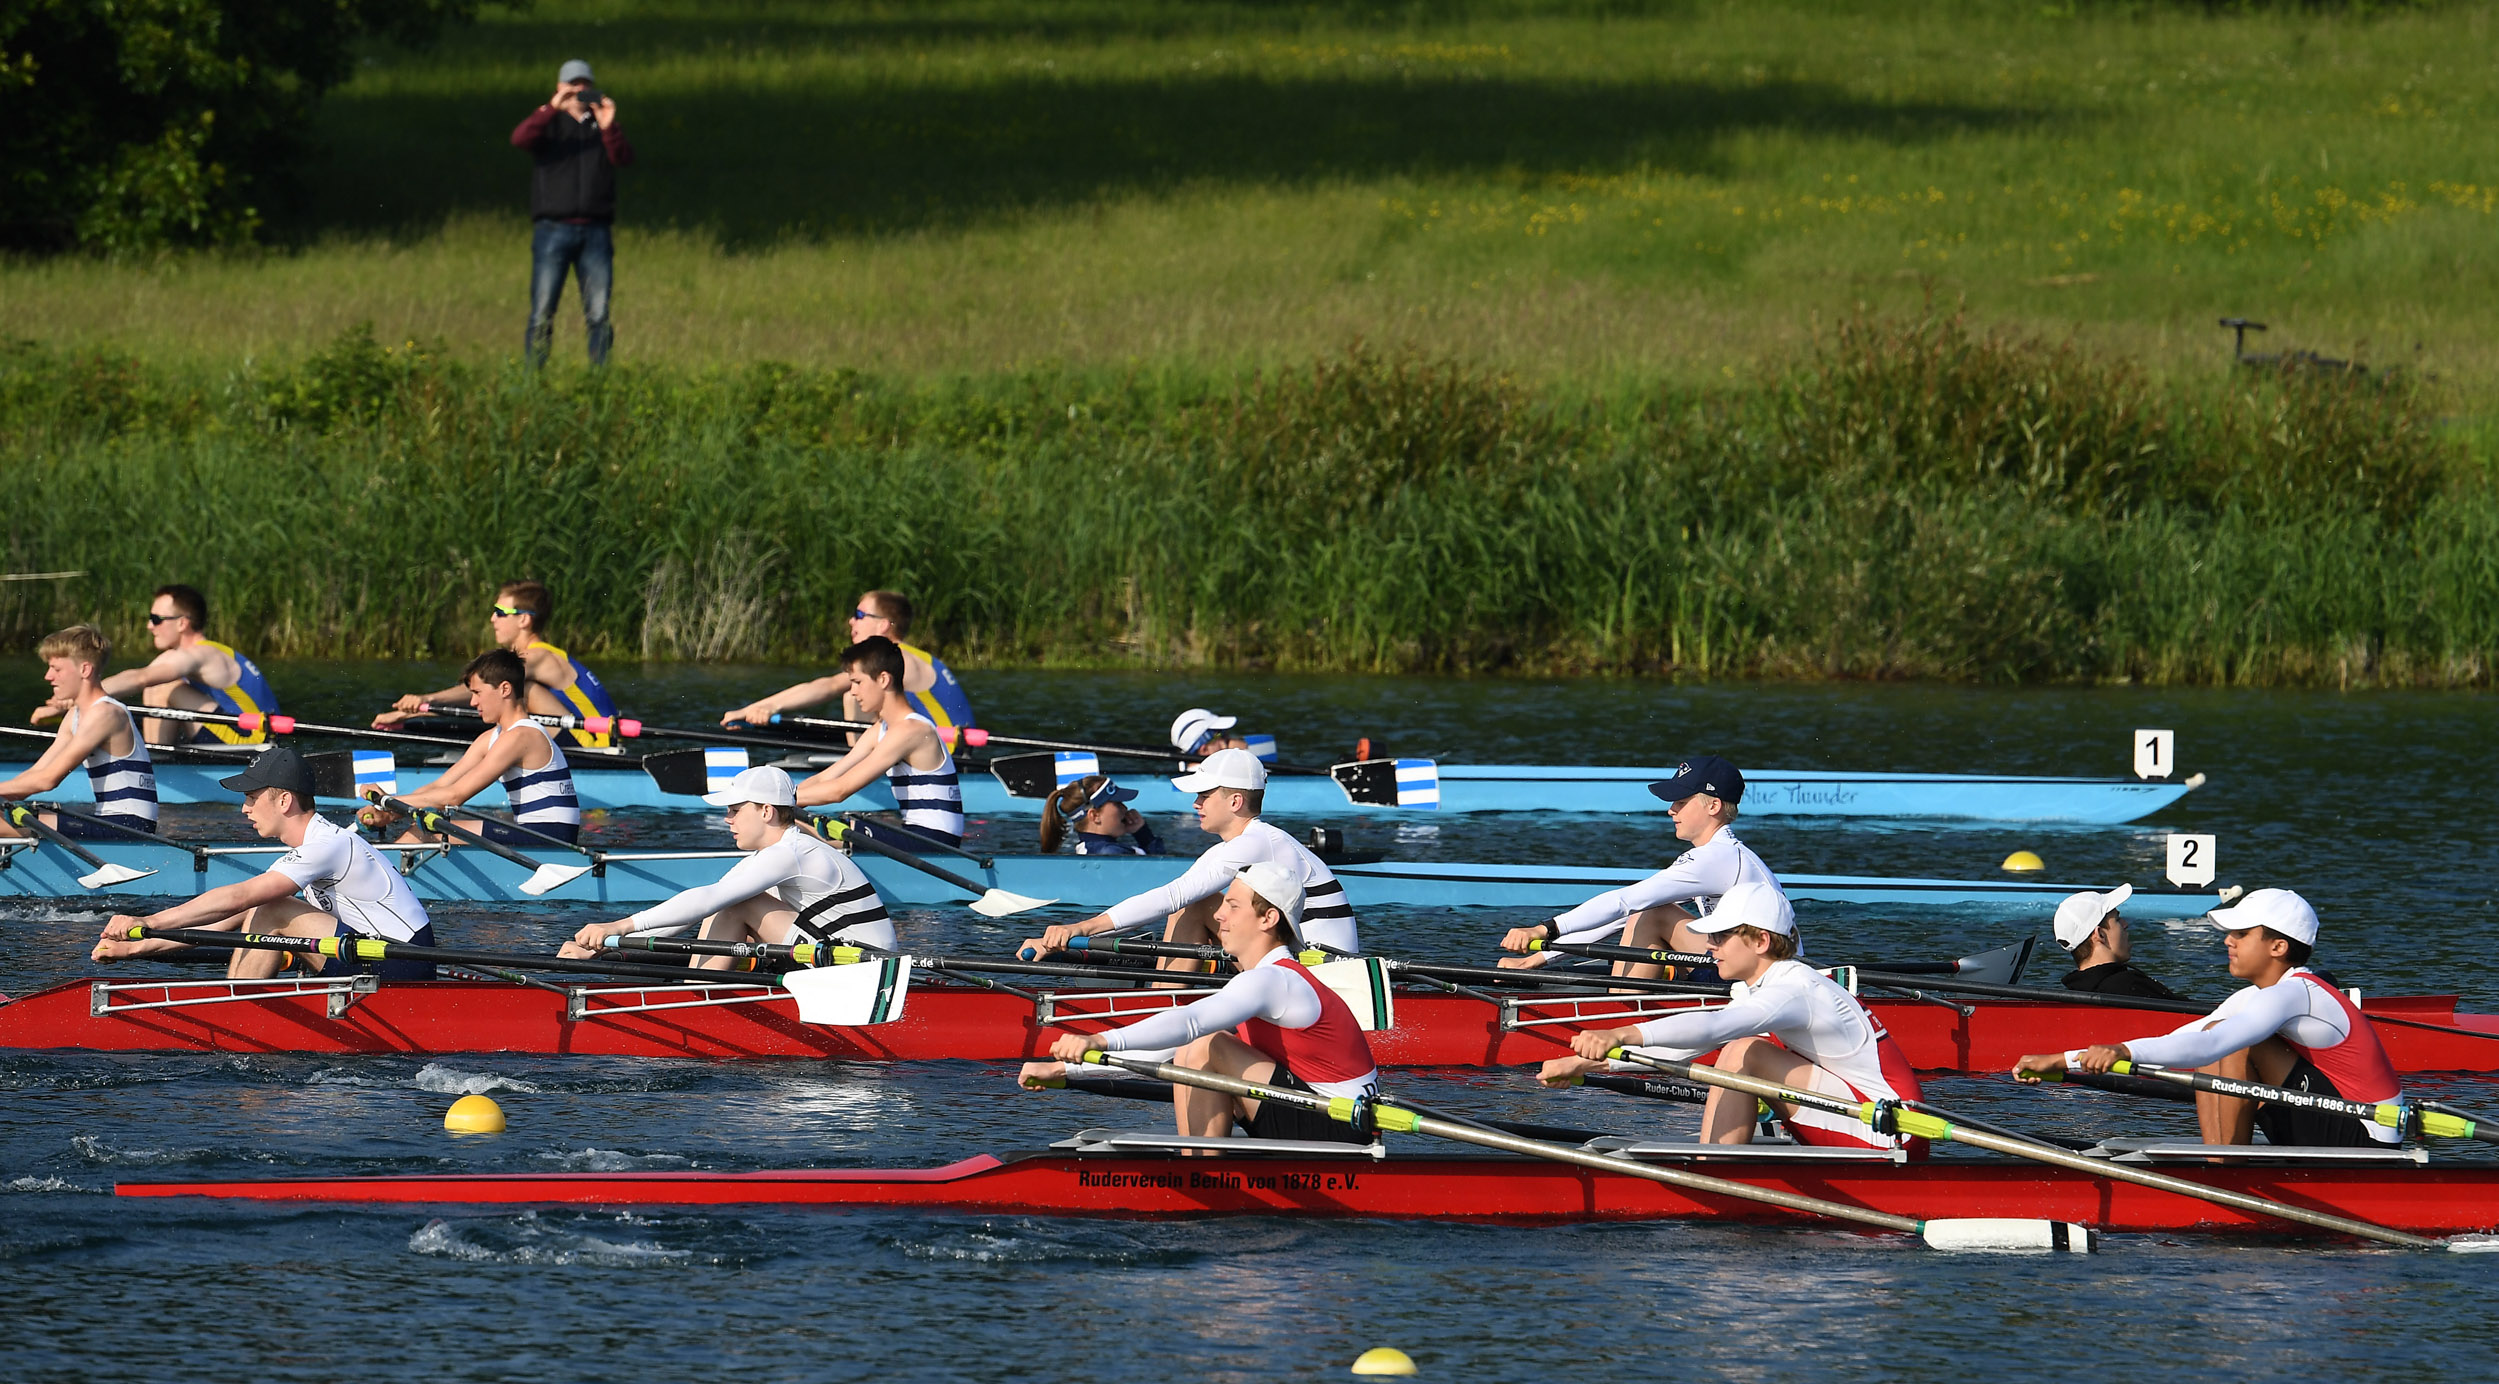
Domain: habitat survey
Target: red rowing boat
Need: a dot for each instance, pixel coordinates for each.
(2388, 1188)
(944, 1020)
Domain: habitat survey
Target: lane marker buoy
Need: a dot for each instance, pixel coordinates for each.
(474, 1115)
(1384, 1360)
(2024, 862)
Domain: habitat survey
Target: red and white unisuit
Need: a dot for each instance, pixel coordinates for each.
(2315, 1019)
(1281, 1009)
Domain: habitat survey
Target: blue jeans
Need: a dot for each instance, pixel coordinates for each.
(590, 252)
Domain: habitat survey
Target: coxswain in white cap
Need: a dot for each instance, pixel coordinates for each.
(1197, 732)
(2289, 1028)
(1231, 788)
(1826, 1040)
(793, 888)
(1275, 1023)
(2090, 929)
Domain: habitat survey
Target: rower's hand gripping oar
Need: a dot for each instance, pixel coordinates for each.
(276, 724)
(988, 902)
(103, 876)
(2405, 1117)
(542, 877)
(1966, 1234)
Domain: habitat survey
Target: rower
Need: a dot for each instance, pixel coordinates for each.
(1785, 1022)
(1702, 799)
(1274, 1023)
(905, 747)
(522, 754)
(330, 883)
(96, 731)
(929, 687)
(793, 888)
(1098, 808)
(1197, 733)
(560, 684)
(2088, 927)
(194, 673)
(1231, 789)
(2289, 1028)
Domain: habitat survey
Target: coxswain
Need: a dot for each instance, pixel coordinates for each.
(2289, 1028)
(1105, 824)
(1231, 789)
(792, 888)
(560, 684)
(515, 750)
(1784, 1021)
(929, 687)
(2089, 928)
(1197, 733)
(96, 731)
(1702, 799)
(192, 672)
(1274, 1023)
(330, 883)
(904, 748)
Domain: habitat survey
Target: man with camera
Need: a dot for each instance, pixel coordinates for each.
(572, 199)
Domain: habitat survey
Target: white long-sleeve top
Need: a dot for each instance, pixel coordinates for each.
(800, 870)
(1697, 878)
(1809, 1013)
(1264, 991)
(2291, 1007)
(1327, 918)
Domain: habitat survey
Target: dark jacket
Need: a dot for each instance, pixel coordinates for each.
(2119, 978)
(577, 161)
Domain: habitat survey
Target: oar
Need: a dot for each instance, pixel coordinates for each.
(197, 853)
(2006, 961)
(103, 876)
(542, 878)
(2404, 1117)
(1962, 1234)
(631, 729)
(372, 949)
(288, 725)
(822, 954)
(1917, 1120)
(988, 902)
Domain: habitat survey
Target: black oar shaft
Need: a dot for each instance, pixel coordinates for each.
(2387, 1114)
(625, 727)
(30, 819)
(433, 819)
(843, 830)
(354, 948)
(288, 725)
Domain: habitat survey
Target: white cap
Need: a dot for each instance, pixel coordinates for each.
(2280, 909)
(1278, 886)
(2081, 914)
(1224, 769)
(761, 784)
(1190, 728)
(1750, 904)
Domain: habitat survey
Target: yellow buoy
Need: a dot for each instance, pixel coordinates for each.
(474, 1115)
(2024, 862)
(1384, 1360)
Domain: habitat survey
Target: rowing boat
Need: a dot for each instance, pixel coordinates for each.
(1463, 788)
(1090, 881)
(1118, 1173)
(728, 1019)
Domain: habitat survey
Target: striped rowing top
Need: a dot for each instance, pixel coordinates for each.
(541, 797)
(124, 785)
(831, 896)
(931, 799)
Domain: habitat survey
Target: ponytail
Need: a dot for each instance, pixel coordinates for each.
(1064, 806)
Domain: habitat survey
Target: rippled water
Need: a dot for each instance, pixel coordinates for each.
(2370, 805)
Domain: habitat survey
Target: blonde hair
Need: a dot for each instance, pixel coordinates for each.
(1780, 946)
(78, 643)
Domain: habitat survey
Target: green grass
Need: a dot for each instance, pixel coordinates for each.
(1596, 194)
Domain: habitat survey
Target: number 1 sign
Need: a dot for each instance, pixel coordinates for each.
(2156, 753)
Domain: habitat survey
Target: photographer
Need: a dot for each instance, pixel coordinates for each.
(572, 197)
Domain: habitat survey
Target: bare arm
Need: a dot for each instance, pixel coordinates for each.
(173, 665)
(480, 764)
(813, 692)
(865, 764)
(58, 759)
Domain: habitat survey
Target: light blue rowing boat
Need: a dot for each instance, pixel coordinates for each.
(1089, 881)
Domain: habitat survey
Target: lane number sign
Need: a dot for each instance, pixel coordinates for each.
(2156, 753)
(2190, 861)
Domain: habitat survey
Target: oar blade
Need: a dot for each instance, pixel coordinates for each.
(2003, 966)
(684, 773)
(999, 903)
(1413, 784)
(1028, 775)
(547, 878)
(870, 992)
(111, 875)
(2009, 1235)
(333, 774)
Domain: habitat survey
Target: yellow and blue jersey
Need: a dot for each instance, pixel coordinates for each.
(944, 704)
(250, 693)
(585, 698)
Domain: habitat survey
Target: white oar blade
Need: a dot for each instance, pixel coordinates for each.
(2006, 1235)
(2474, 1244)
(111, 875)
(998, 903)
(548, 877)
(871, 992)
(1362, 982)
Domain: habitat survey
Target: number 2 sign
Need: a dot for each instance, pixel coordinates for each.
(2190, 861)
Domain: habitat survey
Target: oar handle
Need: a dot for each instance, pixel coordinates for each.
(848, 833)
(432, 819)
(20, 815)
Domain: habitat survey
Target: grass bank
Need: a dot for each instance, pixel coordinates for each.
(1909, 498)
(1596, 193)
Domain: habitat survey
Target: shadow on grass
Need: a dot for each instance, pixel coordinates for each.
(757, 168)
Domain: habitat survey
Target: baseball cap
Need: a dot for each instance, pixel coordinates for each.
(764, 784)
(574, 71)
(1224, 769)
(278, 768)
(1109, 791)
(1190, 728)
(1749, 905)
(1278, 886)
(1702, 774)
(2280, 909)
(2081, 914)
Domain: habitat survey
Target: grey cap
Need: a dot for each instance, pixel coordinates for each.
(574, 71)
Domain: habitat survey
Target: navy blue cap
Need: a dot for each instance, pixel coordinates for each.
(280, 767)
(1110, 792)
(1702, 774)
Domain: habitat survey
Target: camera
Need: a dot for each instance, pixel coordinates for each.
(590, 97)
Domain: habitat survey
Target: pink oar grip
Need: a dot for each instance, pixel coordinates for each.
(975, 737)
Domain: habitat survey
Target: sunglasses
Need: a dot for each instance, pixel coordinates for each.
(867, 615)
(514, 610)
(155, 620)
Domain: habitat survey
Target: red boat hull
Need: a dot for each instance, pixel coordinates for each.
(2424, 1200)
(947, 1022)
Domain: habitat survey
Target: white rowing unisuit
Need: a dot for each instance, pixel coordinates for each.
(1812, 1016)
(340, 873)
(800, 870)
(1697, 877)
(1327, 919)
(2301, 1013)
(1269, 991)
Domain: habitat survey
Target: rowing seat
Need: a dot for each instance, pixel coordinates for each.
(2162, 1151)
(1147, 1141)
